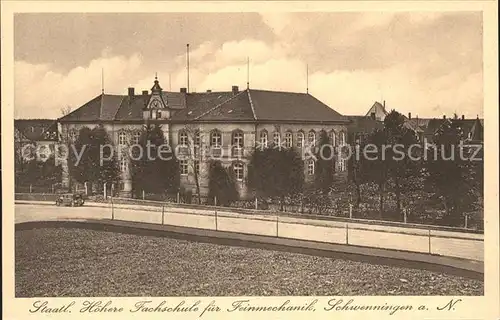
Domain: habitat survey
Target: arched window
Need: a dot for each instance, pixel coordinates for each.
(310, 167)
(215, 139)
(263, 139)
(288, 139)
(122, 138)
(342, 139)
(197, 137)
(276, 138)
(333, 138)
(123, 164)
(237, 138)
(136, 138)
(183, 138)
(300, 139)
(311, 138)
(238, 170)
(73, 135)
(183, 167)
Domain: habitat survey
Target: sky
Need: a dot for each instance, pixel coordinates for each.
(426, 63)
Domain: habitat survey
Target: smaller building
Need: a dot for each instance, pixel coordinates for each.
(32, 136)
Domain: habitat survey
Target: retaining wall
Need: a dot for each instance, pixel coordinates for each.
(445, 242)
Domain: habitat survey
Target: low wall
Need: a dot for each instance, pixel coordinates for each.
(404, 238)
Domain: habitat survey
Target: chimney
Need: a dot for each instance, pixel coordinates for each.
(208, 91)
(463, 117)
(409, 115)
(183, 90)
(235, 89)
(131, 92)
(384, 104)
(444, 116)
(145, 92)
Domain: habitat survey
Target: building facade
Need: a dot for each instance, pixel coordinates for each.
(34, 139)
(222, 125)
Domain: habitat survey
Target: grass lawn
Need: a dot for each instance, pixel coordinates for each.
(79, 262)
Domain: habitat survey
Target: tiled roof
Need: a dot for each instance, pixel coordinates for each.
(363, 124)
(247, 105)
(274, 105)
(37, 129)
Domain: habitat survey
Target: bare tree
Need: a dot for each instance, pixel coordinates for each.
(66, 110)
(194, 154)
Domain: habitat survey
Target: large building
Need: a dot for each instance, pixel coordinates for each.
(229, 124)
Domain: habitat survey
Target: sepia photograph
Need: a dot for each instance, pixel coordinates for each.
(248, 154)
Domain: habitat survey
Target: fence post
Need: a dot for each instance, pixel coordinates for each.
(143, 194)
(105, 191)
(466, 216)
(430, 252)
(215, 204)
(162, 213)
(404, 214)
(112, 207)
(256, 204)
(346, 233)
(350, 210)
(277, 230)
(86, 188)
(178, 197)
(53, 189)
(31, 188)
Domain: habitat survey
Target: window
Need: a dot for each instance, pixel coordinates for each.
(136, 138)
(342, 139)
(276, 138)
(183, 165)
(310, 167)
(72, 135)
(343, 165)
(197, 138)
(300, 139)
(288, 139)
(215, 139)
(183, 138)
(311, 138)
(238, 171)
(238, 139)
(333, 138)
(122, 138)
(263, 139)
(123, 165)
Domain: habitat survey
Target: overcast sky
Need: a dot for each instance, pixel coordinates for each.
(428, 64)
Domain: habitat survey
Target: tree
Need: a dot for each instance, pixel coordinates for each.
(356, 170)
(325, 164)
(92, 166)
(448, 174)
(194, 154)
(276, 172)
(221, 184)
(401, 168)
(40, 173)
(157, 170)
(375, 164)
(66, 110)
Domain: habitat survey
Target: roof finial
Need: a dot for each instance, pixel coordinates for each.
(156, 75)
(248, 72)
(102, 80)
